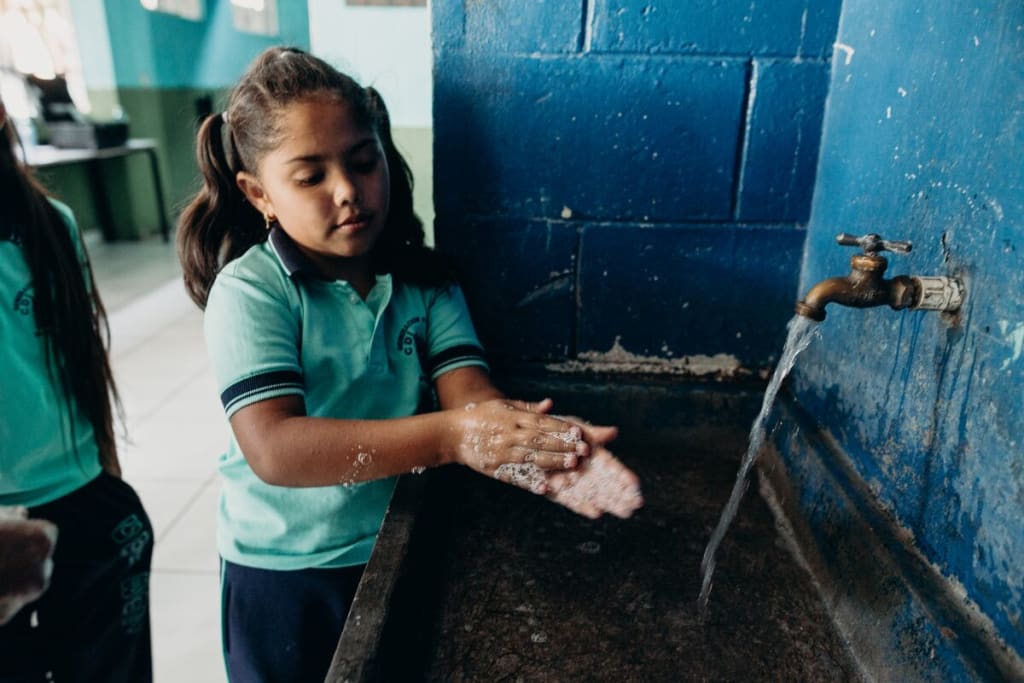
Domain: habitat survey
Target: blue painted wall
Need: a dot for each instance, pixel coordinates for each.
(629, 175)
(159, 50)
(924, 140)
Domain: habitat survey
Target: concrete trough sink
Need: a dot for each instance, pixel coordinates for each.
(473, 580)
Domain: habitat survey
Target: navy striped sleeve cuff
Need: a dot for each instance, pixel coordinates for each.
(257, 387)
(455, 357)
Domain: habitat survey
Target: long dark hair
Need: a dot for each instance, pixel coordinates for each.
(69, 314)
(219, 225)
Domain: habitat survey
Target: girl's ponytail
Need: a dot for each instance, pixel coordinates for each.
(218, 225)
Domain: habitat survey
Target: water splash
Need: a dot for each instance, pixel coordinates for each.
(801, 331)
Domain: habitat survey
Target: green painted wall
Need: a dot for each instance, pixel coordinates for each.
(160, 65)
(169, 116)
(159, 50)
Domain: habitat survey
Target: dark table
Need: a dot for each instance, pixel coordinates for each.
(43, 156)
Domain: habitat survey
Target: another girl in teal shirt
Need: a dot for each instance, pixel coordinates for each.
(329, 323)
(57, 453)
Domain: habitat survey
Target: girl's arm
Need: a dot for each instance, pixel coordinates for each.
(459, 388)
(286, 447)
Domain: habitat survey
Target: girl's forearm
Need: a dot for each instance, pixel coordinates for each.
(285, 447)
(460, 387)
(313, 451)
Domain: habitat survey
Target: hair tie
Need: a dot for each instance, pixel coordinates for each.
(224, 115)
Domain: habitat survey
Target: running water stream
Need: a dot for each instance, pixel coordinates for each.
(801, 330)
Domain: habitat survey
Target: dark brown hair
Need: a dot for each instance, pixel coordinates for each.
(219, 225)
(69, 314)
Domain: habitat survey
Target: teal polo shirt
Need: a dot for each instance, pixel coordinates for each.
(274, 327)
(46, 450)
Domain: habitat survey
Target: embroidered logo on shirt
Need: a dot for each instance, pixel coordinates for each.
(408, 339)
(132, 536)
(136, 542)
(134, 602)
(23, 300)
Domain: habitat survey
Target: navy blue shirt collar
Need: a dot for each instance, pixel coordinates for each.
(290, 255)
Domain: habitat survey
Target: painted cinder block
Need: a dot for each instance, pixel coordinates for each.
(685, 290)
(627, 139)
(794, 28)
(447, 26)
(519, 279)
(787, 102)
(531, 26)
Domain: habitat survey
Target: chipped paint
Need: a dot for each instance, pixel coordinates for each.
(1014, 336)
(803, 36)
(559, 283)
(619, 360)
(846, 50)
(971, 196)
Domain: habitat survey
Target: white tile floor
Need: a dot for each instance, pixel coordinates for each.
(174, 429)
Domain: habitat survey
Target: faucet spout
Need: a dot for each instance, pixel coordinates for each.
(864, 287)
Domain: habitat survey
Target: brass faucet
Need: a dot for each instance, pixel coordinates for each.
(866, 287)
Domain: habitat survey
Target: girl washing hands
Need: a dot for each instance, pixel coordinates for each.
(328, 323)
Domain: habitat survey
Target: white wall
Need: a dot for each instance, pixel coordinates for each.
(386, 47)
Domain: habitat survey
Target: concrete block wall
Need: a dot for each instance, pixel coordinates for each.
(625, 184)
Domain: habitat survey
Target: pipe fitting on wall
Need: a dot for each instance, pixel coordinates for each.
(938, 293)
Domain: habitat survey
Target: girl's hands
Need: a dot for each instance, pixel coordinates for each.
(497, 433)
(600, 483)
(26, 552)
(562, 457)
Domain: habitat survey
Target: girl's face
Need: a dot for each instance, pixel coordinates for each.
(327, 184)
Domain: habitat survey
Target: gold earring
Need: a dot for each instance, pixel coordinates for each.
(269, 220)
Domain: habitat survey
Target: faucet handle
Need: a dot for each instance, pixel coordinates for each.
(872, 243)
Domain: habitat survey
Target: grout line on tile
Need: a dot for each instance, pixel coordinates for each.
(203, 486)
(181, 513)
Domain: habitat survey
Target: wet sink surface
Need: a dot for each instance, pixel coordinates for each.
(499, 584)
